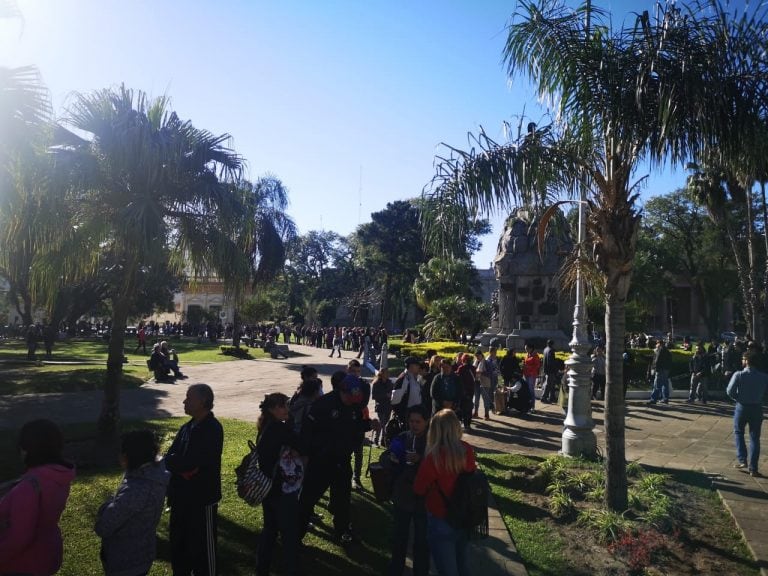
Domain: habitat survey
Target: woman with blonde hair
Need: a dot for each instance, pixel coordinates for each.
(446, 457)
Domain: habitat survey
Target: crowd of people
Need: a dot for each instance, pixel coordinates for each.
(319, 435)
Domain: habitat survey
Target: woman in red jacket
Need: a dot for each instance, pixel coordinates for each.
(531, 369)
(446, 456)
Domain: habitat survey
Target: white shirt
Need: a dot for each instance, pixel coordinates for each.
(410, 384)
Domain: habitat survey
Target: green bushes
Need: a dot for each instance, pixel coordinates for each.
(237, 352)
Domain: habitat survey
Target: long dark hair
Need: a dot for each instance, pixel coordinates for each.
(42, 442)
(265, 418)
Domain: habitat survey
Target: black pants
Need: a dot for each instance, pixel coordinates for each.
(193, 539)
(359, 456)
(322, 475)
(400, 534)
(280, 515)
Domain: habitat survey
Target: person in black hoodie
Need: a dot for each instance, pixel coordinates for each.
(331, 431)
(194, 461)
(281, 506)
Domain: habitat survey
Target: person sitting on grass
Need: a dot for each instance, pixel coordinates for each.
(171, 359)
(158, 366)
(127, 522)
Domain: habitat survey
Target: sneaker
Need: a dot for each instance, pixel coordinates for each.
(755, 474)
(689, 401)
(651, 402)
(666, 400)
(740, 465)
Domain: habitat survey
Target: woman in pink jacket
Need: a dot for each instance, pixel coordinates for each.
(30, 539)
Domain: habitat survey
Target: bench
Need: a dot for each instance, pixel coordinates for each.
(276, 350)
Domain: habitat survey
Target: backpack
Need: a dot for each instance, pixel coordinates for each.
(468, 505)
(252, 484)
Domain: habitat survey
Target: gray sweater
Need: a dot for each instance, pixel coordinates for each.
(127, 523)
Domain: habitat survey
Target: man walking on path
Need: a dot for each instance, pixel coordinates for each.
(747, 388)
(701, 368)
(194, 461)
(662, 362)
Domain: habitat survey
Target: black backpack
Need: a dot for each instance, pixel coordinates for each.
(468, 505)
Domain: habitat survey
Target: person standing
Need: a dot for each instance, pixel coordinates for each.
(531, 369)
(331, 431)
(747, 388)
(482, 386)
(381, 392)
(407, 451)
(30, 537)
(660, 365)
(407, 388)
(194, 492)
(446, 390)
(509, 367)
(701, 369)
(354, 368)
(551, 387)
(127, 522)
(598, 373)
(281, 506)
(466, 373)
(446, 456)
(141, 340)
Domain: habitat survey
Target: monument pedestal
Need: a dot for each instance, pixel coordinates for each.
(518, 338)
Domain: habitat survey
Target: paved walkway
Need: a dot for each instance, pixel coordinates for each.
(678, 435)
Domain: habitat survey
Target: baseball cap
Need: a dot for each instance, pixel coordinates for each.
(351, 385)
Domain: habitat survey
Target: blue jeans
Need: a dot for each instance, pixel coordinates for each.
(531, 381)
(751, 414)
(660, 386)
(401, 529)
(485, 394)
(449, 547)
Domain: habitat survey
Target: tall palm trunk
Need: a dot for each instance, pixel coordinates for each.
(109, 418)
(110, 407)
(765, 271)
(615, 458)
(755, 327)
(614, 227)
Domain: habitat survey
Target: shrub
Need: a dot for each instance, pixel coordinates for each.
(608, 525)
(638, 550)
(236, 351)
(561, 504)
(634, 469)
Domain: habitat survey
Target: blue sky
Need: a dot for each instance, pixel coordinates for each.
(346, 101)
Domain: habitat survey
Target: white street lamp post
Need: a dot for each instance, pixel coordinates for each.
(578, 431)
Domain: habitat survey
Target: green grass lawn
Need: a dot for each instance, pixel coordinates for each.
(22, 378)
(239, 524)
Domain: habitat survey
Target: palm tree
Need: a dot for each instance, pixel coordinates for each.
(24, 125)
(621, 96)
(266, 232)
(142, 181)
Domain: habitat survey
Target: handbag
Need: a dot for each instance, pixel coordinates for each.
(380, 474)
(252, 483)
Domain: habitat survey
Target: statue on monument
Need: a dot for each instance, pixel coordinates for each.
(529, 304)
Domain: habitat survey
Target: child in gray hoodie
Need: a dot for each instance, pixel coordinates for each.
(127, 522)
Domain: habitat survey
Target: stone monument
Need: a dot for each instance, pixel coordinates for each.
(529, 304)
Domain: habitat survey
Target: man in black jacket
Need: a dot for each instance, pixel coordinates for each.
(194, 460)
(331, 429)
